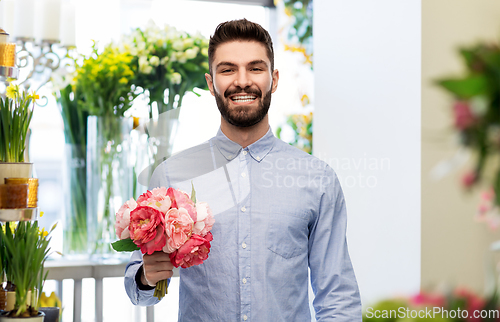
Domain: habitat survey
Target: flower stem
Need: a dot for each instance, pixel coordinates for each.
(161, 289)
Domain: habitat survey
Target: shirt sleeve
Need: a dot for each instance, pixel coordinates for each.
(333, 281)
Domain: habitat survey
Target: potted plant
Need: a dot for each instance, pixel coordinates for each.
(24, 250)
(16, 111)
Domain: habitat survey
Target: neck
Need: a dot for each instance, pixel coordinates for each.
(245, 136)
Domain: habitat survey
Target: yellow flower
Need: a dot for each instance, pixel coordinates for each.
(123, 80)
(43, 232)
(305, 100)
(12, 91)
(33, 95)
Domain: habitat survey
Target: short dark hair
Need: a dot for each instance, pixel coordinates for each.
(235, 30)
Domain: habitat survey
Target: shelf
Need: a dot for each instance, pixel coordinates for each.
(18, 214)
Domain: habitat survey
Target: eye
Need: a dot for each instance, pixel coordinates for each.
(257, 69)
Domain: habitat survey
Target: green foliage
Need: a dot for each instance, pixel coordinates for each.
(15, 118)
(75, 134)
(124, 245)
(25, 249)
(475, 111)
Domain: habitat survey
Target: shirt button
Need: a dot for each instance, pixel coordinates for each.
(245, 152)
(258, 158)
(244, 281)
(245, 317)
(244, 245)
(243, 209)
(243, 174)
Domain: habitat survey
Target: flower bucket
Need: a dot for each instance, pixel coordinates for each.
(51, 313)
(11, 300)
(3, 299)
(110, 178)
(37, 318)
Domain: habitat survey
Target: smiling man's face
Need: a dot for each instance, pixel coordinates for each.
(242, 82)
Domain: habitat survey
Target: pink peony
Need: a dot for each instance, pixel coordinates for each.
(428, 299)
(156, 198)
(469, 178)
(193, 252)
(205, 219)
(123, 219)
(463, 115)
(178, 227)
(181, 200)
(473, 302)
(147, 229)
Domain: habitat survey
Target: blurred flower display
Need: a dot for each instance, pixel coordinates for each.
(300, 136)
(299, 28)
(169, 63)
(460, 304)
(476, 117)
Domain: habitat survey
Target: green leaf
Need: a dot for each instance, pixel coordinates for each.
(124, 245)
(467, 87)
(193, 192)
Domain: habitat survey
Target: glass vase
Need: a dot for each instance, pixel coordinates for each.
(110, 178)
(75, 218)
(160, 137)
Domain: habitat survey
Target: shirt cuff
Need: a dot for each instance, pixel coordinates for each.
(141, 286)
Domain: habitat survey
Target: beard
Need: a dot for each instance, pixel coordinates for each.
(241, 116)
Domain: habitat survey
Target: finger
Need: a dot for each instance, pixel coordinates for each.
(152, 277)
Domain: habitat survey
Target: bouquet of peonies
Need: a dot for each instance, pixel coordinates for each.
(166, 220)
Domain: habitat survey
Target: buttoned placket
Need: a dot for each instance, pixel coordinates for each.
(244, 234)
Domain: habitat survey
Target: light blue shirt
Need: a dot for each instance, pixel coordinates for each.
(278, 211)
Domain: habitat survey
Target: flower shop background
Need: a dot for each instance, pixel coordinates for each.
(111, 19)
(455, 246)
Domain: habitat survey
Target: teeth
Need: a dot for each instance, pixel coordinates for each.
(243, 98)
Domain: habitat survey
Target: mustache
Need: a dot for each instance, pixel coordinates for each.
(248, 90)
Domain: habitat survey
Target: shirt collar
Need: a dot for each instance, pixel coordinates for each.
(258, 150)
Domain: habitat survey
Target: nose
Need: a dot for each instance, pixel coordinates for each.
(243, 79)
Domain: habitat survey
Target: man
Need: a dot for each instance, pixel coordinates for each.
(278, 211)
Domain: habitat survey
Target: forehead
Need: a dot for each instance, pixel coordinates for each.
(240, 52)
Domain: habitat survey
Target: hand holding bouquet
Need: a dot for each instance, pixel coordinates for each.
(166, 220)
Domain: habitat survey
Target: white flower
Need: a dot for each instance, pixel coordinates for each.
(479, 105)
(181, 57)
(178, 45)
(191, 52)
(164, 60)
(175, 78)
(154, 61)
(141, 45)
(188, 42)
(143, 60)
(145, 69)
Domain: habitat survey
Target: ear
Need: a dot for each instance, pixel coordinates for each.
(210, 83)
(276, 77)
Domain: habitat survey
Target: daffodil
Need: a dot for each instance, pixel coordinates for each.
(12, 91)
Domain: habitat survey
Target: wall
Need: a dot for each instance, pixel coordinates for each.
(367, 126)
(454, 246)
